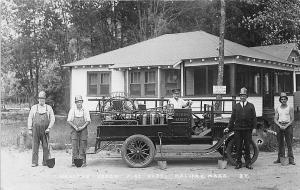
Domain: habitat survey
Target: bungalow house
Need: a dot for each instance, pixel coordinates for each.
(288, 52)
(150, 69)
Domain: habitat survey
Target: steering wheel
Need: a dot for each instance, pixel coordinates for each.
(118, 107)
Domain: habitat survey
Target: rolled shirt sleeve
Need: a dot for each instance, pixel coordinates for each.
(71, 115)
(87, 116)
(30, 117)
(51, 117)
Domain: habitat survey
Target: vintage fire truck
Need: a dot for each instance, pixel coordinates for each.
(142, 130)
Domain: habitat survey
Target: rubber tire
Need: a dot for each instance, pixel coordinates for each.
(229, 148)
(149, 158)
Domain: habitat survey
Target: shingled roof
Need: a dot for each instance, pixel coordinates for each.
(170, 49)
(282, 50)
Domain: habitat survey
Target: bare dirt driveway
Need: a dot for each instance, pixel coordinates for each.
(106, 170)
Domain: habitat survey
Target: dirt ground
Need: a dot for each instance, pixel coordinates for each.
(106, 170)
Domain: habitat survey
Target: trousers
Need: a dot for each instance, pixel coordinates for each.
(243, 139)
(286, 134)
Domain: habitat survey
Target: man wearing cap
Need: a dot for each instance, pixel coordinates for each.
(178, 103)
(79, 119)
(243, 123)
(284, 118)
(40, 120)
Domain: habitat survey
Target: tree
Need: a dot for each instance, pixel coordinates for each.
(221, 52)
(278, 22)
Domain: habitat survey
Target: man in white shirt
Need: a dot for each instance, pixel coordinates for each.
(79, 119)
(178, 103)
(40, 120)
(284, 118)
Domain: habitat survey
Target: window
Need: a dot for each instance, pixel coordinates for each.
(284, 82)
(293, 59)
(172, 78)
(200, 81)
(98, 83)
(150, 83)
(104, 83)
(135, 83)
(142, 83)
(206, 77)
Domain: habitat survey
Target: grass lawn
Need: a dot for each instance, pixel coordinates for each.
(12, 124)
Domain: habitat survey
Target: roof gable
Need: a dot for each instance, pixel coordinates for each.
(282, 51)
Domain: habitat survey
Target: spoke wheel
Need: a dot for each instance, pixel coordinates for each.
(231, 152)
(138, 151)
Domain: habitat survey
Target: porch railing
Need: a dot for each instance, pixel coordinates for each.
(199, 106)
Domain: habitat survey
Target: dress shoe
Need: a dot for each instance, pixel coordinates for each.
(276, 162)
(238, 166)
(34, 165)
(292, 163)
(249, 167)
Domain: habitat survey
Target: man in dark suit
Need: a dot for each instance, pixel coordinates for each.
(243, 123)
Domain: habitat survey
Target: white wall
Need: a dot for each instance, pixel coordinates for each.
(79, 85)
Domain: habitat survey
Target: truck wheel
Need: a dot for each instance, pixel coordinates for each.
(231, 152)
(138, 151)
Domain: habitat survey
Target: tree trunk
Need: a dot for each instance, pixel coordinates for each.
(221, 45)
(221, 53)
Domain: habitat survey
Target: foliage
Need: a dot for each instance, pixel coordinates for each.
(41, 36)
(277, 22)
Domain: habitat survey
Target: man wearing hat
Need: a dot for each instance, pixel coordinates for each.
(178, 103)
(284, 118)
(243, 123)
(79, 119)
(40, 120)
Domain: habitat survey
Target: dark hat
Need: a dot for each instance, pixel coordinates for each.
(176, 91)
(283, 95)
(243, 91)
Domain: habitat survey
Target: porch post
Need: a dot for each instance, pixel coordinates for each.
(206, 80)
(127, 81)
(158, 82)
(294, 80)
(276, 82)
(71, 90)
(182, 78)
(232, 68)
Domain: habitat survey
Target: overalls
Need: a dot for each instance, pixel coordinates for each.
(79, 139)
(40, 124)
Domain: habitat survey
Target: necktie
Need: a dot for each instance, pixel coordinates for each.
(243, 104)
